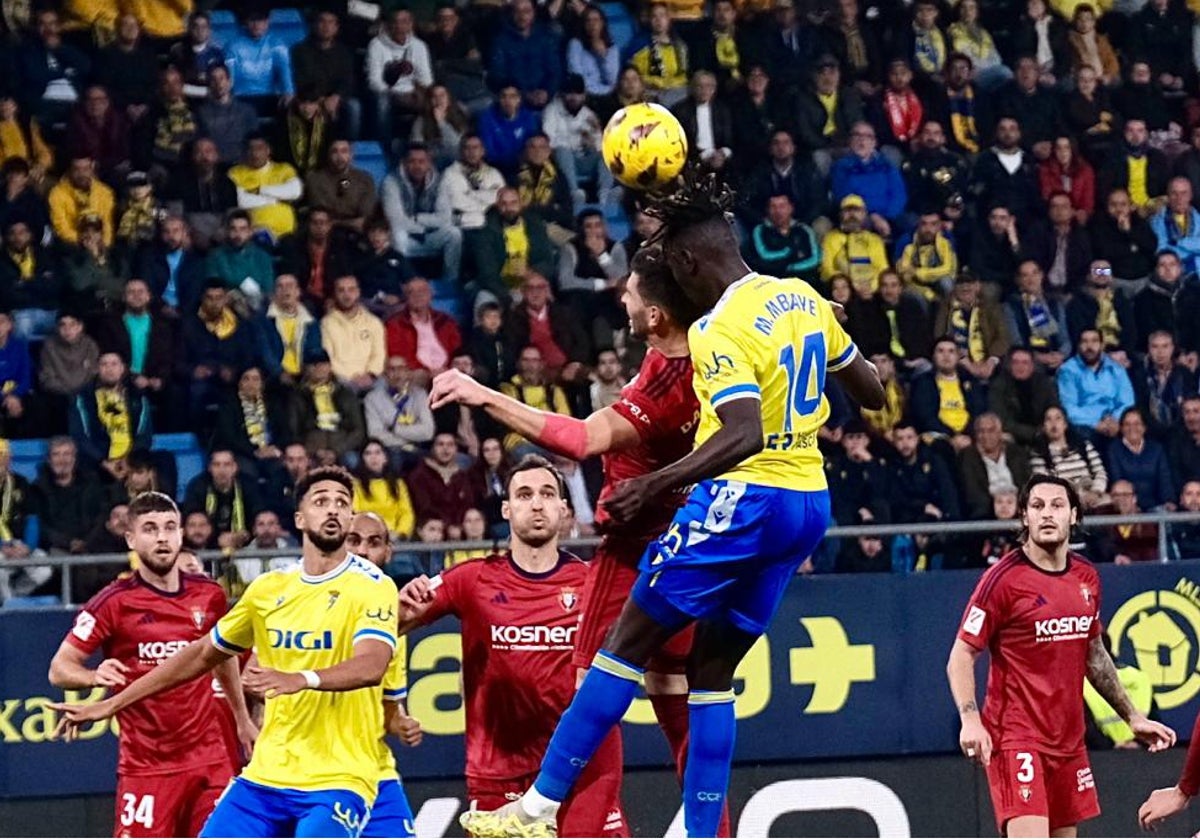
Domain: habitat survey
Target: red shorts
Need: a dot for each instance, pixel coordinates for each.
(168, 805)
(1028, 783)
(611, 576)
(576, 815)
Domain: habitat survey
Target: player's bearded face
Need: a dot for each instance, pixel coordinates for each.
(326, 517)
(535, 510)
(156, 538)
(1049, 516)
(636, 309)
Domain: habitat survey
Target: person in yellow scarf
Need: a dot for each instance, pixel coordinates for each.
(977, 326)
(109, 419)
(544, 189)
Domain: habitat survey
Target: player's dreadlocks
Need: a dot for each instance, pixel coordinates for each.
(700, 197)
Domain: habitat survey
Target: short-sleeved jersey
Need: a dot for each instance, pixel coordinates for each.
(518, 637)
(772, 340)
(395, 690)
(141, 626)
(1037, 626)
(315, 740)
(662, 406)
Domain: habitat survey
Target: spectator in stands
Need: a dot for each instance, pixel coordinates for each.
(934, 176)
(920, 486)
(1058, 450)
(227, 497)
(19, 527)
(1187, 165)
(923, 42)
(593, 56)
(327, 415)
(398, 72)
(1160, 385)
(1090, 48)
(946, 399)
(382, 271)
(469, 186)
(1034, 106)
(1137, 543)
(1091, 116)
(421, 335)
(991, 466)
(456, 57)
(379, 489)
(1157, 305)
(127, 68)
(1138, 167)
(533, 387)
(198, 534)
(1141, 98)
(851, 249)
(527, 54)
(1184, 447)
(1142, 462)
(16, 378)
(238, 262)
(707, 122)
(968, 37)
(440, 486)
(976, 325)
(66, 365)
(996, 250)
(781, 246)
(630, 90)
(858, 485)
(78, 196)
(323, 63)
(441, 126)
(784, 173)
(1125, 240)
(266, 188)
(608, 380)
(348, 193)
(892, 322)
(67, 500)
(217, 344)
(789, 45)
(560, 339)
(512, 246)
(172, 267)
(1061, 246)
(317, 258)
(90, 271)
(928, 263)
(196, 55)
(1177, 226)
(303, 134)
(590, 269)
(488, 475)
(259, 63)
(166, 131)
(662, 59)
(419, 210)
(504, 127)
(21, 138)
(397, 412)
(866, 172)
(1021, 394)
(225, 119)
(137, 224)
(723, 49)
(99, 131)
(28, 283)
(1094, 389)
(353, 337)
(1066, 171)
(297, 462)
(20, 198)
(253, 424)
(203, 194)
(1006, 175)
(1037, 321)
(964, 111)
(288, 334)
(1101, 307)
(1186, 536)
(493, 358)
(545, 190)
(896, 114)
(48, 73)
(110, 418)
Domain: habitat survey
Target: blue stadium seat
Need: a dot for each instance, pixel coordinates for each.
(286, 24)
(452, 306)
(369, 157)
(31, 602)
(224, 25)
(27, 456)
(443, 288)
(189, 457)
(621, 24)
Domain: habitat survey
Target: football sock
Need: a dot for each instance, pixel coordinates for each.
(706, 776)
(599, 704)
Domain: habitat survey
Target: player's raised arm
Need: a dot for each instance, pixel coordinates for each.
(1102, 674)
(973, 739)
(570, 437)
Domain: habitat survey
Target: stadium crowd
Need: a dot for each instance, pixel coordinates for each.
(1002, 195)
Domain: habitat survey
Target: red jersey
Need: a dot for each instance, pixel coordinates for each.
(662, 406)
(518, 636)
(131, 621)
(1037, 626)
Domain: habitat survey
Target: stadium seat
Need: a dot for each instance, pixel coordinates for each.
(286, 24)
(28, 456)
(369, 157)
(31, 602)
(621, 24)
(189, 457)
(452, 306)
(443, 288)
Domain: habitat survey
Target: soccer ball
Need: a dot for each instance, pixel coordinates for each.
(644, 146)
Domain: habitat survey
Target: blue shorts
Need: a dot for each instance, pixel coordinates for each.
(391, 815)
(247, 809)
(730, 553)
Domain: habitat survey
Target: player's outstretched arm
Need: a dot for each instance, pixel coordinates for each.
(200, 657)
(973, 738)
(362, 670)
(69, 670)
(861, 381)
(740, 436)
(1102, 674)
(604, 431)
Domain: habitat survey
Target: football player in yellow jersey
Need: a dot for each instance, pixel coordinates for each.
(391, 815)
(324, 634)
(759, 507)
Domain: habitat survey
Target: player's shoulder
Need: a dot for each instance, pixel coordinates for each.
(661, 375)
(200, 583)
(122, 587)
(1083, 566)
(1001, 573)
(364, 573)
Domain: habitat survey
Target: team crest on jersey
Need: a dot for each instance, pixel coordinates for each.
(197, 617)
(333, 599)
(568, 598)
(1026, 793)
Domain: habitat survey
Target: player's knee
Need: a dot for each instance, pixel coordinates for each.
(705, 674)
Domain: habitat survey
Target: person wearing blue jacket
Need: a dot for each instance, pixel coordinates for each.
(526, 54)
(868, 173)
(1177, 226)
(1141, 462)
(110, 418)
(504, 127)
(16, 376)
(1094, 390)
(260, 64)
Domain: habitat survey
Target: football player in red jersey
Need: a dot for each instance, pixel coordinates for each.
(652, 425)
(520, 615)
(1037, 612)
(173, 760)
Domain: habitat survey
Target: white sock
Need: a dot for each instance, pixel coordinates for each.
(537, 806)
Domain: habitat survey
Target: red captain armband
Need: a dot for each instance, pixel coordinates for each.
(567, 436)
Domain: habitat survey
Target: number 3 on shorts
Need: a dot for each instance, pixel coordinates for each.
(135, 812)
(1025, 768)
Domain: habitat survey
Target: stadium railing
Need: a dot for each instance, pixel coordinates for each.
(216, 560)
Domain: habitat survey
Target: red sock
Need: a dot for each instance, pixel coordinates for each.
(594, 807)
(672, 713)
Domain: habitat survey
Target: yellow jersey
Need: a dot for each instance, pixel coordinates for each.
(395, 690)
(278, 218)
(315, 740)
(772, 340)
